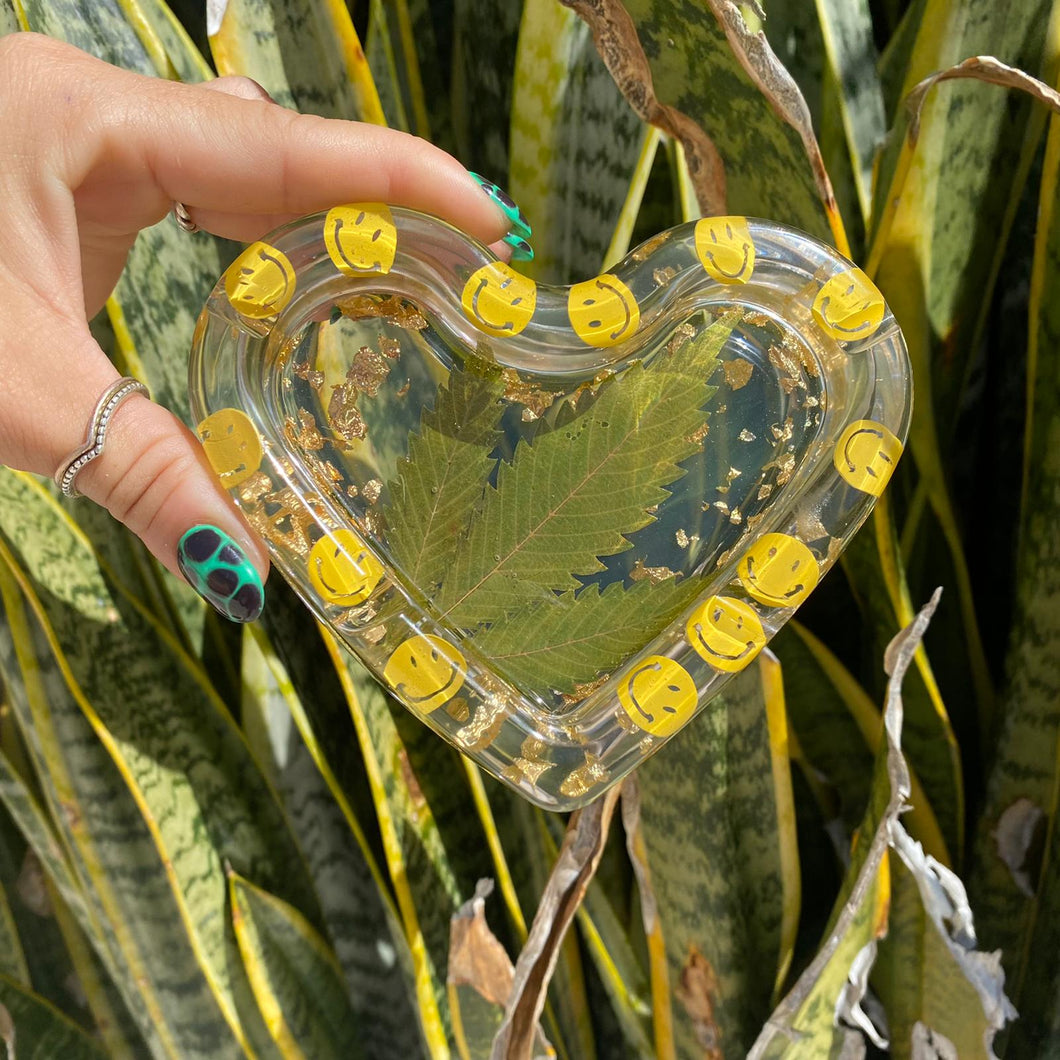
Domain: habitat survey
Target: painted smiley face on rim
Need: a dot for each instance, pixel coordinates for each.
(726, 633)
(498, 299)
(260, 282)
(849, 306)
(342, 570)
(779, 570)
(232, 445)
(866, 455)
(603, 311)
(425, 671)
(360, 238)
(725, 248)
(659, 695)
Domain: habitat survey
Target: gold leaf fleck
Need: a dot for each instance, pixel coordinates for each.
(344, 415)
(375, 634)
(253, 489)
(764, 490)
(458, 709)
(371, 490)
(738, 373)
(663, 276)
(733, 474)
(582, 780)
(368, 371)
(681, 334)
(722, 507)
(783, 434)
(746, 436)
(682, 539)
(735, 517)
(699, 434)
(583, 691)
(648, 247)
(654, 575)
(483, 728)
(389, 347)
(352, 490)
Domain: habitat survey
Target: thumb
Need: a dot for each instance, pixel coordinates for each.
(153, 475)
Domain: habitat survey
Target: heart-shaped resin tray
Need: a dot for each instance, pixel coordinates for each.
(554, 521)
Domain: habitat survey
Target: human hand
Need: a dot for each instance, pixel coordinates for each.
(92, 155)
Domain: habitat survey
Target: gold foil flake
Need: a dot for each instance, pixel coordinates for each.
(389, 347)
(394, 309)
(649, 247)
(738, 373)
(368, 371)
(735, 517)
(486, 723)
(305, 434)
(681, 334)
(325, 472)
(371, 490)
(663, 276)
(373, 522)
(359, 616)
(723, 408)
(811, 402)
(788, 368)
(722, 507)
(313, 378)
(785, 465)
(806, 359)
(783, 434)
(253, 489)
(344, 415)
(835, 546)
(404, 388)
(519, 392)
(753, 521)
(720, 489)
(458, 709)
(764, 490)
(697, 436)
(746, 436)
(682, 539)
(527, 769)
(582, 780)
(733, 474)
(654, 575)
(352, 490)
(375, 634)
(583, 691)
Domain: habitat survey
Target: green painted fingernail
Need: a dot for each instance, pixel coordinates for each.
(219, 571)
(521, 250)
(520, 225)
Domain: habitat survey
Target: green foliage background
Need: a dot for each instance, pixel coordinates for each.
(223, 842)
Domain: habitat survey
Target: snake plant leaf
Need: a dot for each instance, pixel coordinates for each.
(384, 56)
(395, 64)
(718, 845)
(443, 475)
(12, 856)
(295, 976)
(483, 58)
(575, 637)
(9, 22)
(429, 27)
(176, 751)
(131, 917)
(541, 524)
(955, 999)
(184, 61)
(36, 1030)
(823, 1006)
(1013, 887)
(575, 143)
(684, 76)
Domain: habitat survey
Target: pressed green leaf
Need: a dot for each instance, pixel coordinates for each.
(295, 977)
(675, 57)
(443, 476)
(574, 144)
(715, 838)
(541, 524)
(41, 1031)
(130, 914)
(573, 638)
(177, 749)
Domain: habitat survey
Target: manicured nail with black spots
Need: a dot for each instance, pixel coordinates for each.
(520, 225)
(219, 571)
(521, 250)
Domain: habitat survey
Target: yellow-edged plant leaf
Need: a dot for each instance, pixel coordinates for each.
(185, 62)
(622, 234)
(36, 1030)
(433, 63)
(169, 736)
(130, 915)
(394, 64)
(718, 846)
(9, 21)
(12, 958)
(1013, 882)
(295, 976)
(298, 52)
(575, 143)
(689, 80)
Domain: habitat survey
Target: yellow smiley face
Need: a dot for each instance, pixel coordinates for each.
(343, 570)
(726, 633)
(260, 282)
(849, 306)
(425, 671)
(779, 570)
(865, 456)
(498, 299)
(603, 311)
(361, 238)
(659, 695)
(725, 248)
(232, 446)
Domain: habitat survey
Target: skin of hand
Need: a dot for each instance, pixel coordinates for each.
(92, 154)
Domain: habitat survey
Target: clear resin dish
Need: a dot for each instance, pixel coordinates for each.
(552, 521)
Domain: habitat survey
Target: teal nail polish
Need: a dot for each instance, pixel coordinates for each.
(521, 250)
(219, 571)
(520, 225)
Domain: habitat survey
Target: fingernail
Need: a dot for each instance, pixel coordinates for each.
(520, 225)
(219, 571)
(521, 250)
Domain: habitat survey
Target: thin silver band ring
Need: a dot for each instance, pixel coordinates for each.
(96, 435)
(183, 218)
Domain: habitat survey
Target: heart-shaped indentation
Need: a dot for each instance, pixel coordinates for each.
(552, 521)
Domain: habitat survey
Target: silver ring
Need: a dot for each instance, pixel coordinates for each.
(92, 446)
(183, 218)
